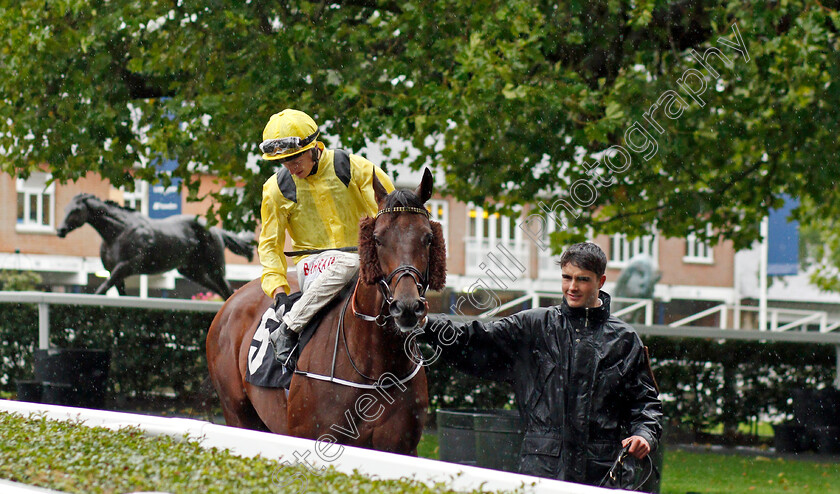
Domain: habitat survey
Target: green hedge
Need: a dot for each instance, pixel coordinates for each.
(704, 383)
(151, 350)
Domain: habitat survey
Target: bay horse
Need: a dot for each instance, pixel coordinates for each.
(136, 244)
(355, 383)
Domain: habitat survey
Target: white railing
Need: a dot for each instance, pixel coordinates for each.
(44, 299)
(547, 266)
(776, 318)
(636, 304)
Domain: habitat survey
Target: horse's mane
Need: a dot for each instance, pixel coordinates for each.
(118, 205)
(371, 272)
(108, 202)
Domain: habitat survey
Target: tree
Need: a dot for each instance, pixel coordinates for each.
(515, 101)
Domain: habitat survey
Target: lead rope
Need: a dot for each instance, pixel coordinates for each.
(338, 330)
(616, 478)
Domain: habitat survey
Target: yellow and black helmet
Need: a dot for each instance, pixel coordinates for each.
(288, 134)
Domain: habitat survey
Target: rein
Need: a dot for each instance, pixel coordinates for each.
(331, 378)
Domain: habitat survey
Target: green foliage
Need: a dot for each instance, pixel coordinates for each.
(73, 458)
(151, 351)
(705, 383)
(13, 280)
(508, 99)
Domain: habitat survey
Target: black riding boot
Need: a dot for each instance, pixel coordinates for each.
(284, 340)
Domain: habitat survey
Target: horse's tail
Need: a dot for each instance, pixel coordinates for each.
(241, 245)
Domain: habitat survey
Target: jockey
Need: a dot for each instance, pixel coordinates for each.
(318, 196)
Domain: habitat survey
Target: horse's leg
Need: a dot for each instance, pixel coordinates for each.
(238, 410)
(120, 272)
(223, 285)
(121, 288)
(218, 284)
(272, 403)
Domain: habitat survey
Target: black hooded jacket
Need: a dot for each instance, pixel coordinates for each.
(581, 377)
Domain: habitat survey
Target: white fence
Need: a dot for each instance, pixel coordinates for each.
(827, 334)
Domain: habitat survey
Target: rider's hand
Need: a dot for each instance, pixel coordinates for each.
(279, 298)
(639, 447)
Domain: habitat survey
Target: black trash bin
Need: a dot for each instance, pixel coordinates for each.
(483, 438)
(790, 437)
(456, 436)
(29, 391)
(73, 377)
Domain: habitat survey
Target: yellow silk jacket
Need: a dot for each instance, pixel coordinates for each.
(321, 211)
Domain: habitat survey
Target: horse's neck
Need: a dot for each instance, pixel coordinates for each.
(109, 221)
(383, 341)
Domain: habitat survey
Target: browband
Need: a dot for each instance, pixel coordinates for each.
(404, 209)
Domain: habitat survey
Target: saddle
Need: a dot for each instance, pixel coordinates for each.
(262, 369)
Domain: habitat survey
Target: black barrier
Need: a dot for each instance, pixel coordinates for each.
(493, 439)
(815, 425)
(73, 377)
(29, 391)
(483, 438)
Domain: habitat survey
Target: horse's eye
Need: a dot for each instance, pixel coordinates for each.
(377, 241)
(427, 239)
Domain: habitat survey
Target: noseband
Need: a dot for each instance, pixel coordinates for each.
(421, 280)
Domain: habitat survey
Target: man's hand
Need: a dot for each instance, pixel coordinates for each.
(639, 447)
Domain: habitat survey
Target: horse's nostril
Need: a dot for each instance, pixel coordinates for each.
(419, 308)
(397, 308)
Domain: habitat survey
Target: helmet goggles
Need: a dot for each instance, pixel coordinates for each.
(286, 145)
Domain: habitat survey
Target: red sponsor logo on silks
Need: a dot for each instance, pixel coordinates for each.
(318, 266)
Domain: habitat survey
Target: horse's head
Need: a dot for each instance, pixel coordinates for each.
(76, 214)
(403, 252)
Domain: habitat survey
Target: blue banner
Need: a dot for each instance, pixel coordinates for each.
(783, 241)
(165, 201)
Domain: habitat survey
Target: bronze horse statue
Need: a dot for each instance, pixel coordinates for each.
(135, 244)
(355, 383)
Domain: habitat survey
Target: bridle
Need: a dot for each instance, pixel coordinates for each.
(421, 280)
(381, 319)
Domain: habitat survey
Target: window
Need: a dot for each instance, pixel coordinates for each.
(488, 234)
(35, 204)
(137, 199)
(622, 249)
(439, 211)
(698, 251)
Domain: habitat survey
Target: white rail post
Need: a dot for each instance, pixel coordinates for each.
(762, 277)
(43, 326)
(837, 368)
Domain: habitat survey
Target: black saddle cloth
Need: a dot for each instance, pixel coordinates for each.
(262, 369)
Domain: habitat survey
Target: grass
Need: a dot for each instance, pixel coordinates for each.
(711, 473)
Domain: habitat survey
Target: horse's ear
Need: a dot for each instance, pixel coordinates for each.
(379, 191)
(424, 190)
(437, 258)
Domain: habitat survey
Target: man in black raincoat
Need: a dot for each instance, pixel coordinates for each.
(581, 377)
